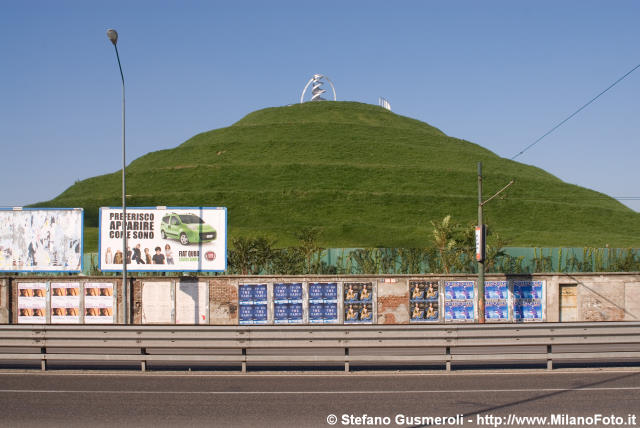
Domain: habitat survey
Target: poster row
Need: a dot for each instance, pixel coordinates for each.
(159, 239)
(505, 301)
(353, 302)
(66, 303)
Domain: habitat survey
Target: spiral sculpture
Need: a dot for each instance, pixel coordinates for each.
(316, 89)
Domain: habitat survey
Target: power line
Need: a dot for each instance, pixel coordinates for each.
(576, 112)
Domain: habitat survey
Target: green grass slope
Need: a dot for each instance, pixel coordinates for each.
(366, 176)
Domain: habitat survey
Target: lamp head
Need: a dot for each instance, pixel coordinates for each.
(112, 35)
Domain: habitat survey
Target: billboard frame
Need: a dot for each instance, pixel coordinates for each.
(80, 270)
(130, 267)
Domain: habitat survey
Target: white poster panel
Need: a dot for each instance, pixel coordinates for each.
(41, 240)
(157, 302)
(32, 302)
(98, 303)
(192, 302)
(164, 239)
(65, 303)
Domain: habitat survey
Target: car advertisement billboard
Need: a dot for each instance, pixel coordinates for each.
(41, 240)
(164, 239)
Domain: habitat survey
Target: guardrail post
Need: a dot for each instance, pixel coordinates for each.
(346, 360)
(448, 358)
(244, 360)
(549, 357)
(143, 362)
(43, 361)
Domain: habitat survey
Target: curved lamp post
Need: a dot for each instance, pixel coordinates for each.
(113, 36)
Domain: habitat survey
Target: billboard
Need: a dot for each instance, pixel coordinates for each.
(164, 239)
(459, 301)
(98, 303)
(41, 240)
(358, 302)
(323, 303)
(496, 298)
(424, 301)
(287, 303)
(528, 301)
(252, 304)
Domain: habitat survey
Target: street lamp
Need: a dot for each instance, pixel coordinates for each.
(113, 36)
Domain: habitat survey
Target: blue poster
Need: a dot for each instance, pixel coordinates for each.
(260, 294)
(287, 303)
(528, 301)
(280, 293)
(316, 313)
(281, 313)
(245, 314)
(245, 293)
(496, 297)
(459, 301)
(252, 299)
(295, 293)
(323, 303)
(459, 310)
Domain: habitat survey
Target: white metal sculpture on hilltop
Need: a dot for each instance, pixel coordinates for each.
(316, 90)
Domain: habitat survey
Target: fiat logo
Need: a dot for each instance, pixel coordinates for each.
(210, 255)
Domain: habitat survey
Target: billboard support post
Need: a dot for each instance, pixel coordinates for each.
(481, 242)
(113, 36)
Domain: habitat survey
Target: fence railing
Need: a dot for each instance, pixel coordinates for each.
(350, 346)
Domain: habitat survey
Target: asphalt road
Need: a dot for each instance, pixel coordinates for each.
(97, 399)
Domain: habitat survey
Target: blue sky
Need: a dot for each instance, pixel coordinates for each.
(498, 73)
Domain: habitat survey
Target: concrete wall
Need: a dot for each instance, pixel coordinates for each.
(600, 296)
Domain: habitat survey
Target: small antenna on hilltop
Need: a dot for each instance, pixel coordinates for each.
(384, 103)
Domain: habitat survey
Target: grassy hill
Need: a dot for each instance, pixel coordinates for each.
(366, 176)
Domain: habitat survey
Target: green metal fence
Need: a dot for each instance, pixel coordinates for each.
(430, 260)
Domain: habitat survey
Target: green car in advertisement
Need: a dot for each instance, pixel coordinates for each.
(187, 228)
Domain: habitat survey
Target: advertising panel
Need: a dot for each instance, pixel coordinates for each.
(287, 303)
(459, 303)
(32, 302)
(252, 300)
(65, 303)
(192, 302)
(528, 301)
(323, 303)
(98, 303)
(358, 303)
(164, 239)
(41, 240)
(496, 300)
(157, 302)
(424, 301)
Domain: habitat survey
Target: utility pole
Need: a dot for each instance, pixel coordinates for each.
(480, 242)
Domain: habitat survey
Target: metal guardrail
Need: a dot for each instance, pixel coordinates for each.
(323, 345)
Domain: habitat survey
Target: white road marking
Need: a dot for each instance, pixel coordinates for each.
(434, 391)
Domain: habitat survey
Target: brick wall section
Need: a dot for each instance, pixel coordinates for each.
(4, 301)
(136, 306)
(393, 302)
(223, 302)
